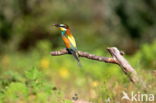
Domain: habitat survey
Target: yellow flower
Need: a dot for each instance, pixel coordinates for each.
(64, 73)
(44, 63)
(95, 84)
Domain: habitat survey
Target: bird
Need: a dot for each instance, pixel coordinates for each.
(69, 40)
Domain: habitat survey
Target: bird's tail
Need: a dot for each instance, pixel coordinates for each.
(76, 56)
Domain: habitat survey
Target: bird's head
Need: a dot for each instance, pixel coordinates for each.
(62, 27)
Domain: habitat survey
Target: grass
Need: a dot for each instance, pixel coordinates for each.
(37, 77)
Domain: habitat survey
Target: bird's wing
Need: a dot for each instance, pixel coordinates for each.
(72, 41)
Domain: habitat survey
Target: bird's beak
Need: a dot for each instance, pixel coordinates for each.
(57, 25)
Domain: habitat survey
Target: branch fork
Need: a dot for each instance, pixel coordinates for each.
(117, 58)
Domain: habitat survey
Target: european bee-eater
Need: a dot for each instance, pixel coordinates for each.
(69, 40)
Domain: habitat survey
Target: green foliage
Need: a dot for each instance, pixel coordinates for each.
(146, 56)
(15, 91)
(97, 79)
(33, 74)
(106, 22)
(34, 89)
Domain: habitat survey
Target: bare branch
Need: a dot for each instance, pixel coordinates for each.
(117, 58)
(86, 55)
(123, 63)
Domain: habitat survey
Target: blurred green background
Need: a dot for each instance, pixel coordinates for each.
(27, 37)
